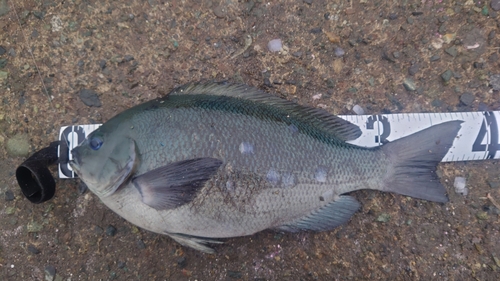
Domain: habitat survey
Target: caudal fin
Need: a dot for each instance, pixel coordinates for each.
(415, 158)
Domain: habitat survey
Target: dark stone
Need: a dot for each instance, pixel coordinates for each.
(89, 98)
(110, 230)
(492, 58)
(234, 274)
(437, 103)
(467, 99)
(417, 13)
(98, 230)
(386, 57)
(494, 183)
(435, 58)
(102, 64)
(316, 30)
(2, 50)
(393, 16)
(9, 195)
(220, 11)
(182, 262)
(330, 83)
(495, 5)
(128, 58)
(39, 14)
(308, 2)
(141, 245)
(121, 264)
(32, 249)
(50, 272)
(492, 35)
(452, 51)
(478, 65)
(446, 76)
(34, 34)
(413, 69)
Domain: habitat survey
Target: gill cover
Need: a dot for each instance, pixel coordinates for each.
(104, 163)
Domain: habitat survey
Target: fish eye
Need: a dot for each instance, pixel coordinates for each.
(95, 143)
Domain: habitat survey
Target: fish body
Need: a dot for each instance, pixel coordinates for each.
(215, 161)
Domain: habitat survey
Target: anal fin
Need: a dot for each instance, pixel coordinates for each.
(325, 218)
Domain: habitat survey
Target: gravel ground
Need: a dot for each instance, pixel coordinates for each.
(92, 59)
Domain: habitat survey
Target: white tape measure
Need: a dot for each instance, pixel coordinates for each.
(478, 139)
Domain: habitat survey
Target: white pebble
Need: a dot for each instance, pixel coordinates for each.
(459, 185)
(358, 110)
(275, 45)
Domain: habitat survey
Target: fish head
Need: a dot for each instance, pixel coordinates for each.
(104, 161)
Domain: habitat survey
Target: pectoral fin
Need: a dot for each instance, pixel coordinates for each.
(175, 184)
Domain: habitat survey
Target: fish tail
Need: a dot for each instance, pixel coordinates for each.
(414, 161)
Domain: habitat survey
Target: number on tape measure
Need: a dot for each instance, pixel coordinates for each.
(487, 138)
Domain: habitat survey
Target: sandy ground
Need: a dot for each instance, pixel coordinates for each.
(349, 52)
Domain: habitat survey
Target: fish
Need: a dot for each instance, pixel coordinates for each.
(216, 160)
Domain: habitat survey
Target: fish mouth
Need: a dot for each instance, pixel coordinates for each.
(75, 161)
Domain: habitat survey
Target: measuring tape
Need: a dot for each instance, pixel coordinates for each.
(478, 139)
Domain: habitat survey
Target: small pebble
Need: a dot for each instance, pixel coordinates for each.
(339, 52)
(494, 183)
(413, 69)
(18, 145)
(128, 58)
(446, 76)
(2, 50)
(89, 98)
(384, 217)
(459, 185)
(50, 273)
(121, 264)
(9, 195)
(32, 249)
(495, 81)
(220, 11)
(275, 45)
(234, 274)
(110, 230)
(358, 110)
(98, 230)
(435, 58)
(409, 85)
(182, 262)
(452, 51)
(316, 30)
(102, 64)
(467, 99)
(141, 245)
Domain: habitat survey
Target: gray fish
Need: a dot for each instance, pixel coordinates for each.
(214, 161)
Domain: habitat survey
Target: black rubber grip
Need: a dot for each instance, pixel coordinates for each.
(34, 177)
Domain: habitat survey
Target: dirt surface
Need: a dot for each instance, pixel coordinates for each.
(350, 52)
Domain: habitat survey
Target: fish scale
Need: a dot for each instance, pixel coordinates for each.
(216, 161)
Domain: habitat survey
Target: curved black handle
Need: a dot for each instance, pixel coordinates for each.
(34, 177)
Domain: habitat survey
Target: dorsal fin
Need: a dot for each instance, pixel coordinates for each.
(317, 117)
